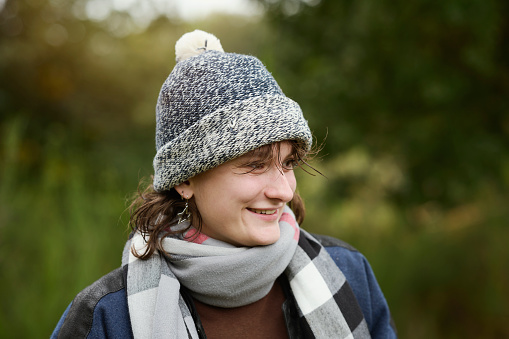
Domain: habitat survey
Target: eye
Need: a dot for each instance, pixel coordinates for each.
(255, 167)
(289, 164)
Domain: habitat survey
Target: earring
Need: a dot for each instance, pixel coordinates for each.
(185, 215)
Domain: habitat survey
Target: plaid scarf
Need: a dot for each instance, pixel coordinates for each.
(220, 274)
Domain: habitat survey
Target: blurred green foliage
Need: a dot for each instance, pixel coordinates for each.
(411, 98)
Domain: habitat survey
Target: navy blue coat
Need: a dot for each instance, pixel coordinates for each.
(100, 310)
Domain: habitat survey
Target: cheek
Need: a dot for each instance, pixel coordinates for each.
(292, 181)
(222, 198)
(244, 191)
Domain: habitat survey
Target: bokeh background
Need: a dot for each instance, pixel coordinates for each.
(410, 97)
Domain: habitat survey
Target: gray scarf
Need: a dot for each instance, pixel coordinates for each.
(219, 274)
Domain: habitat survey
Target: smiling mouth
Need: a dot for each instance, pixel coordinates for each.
(262, 211)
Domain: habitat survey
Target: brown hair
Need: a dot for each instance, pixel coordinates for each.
(154, 213)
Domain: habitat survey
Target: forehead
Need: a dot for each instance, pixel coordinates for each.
(277, 150)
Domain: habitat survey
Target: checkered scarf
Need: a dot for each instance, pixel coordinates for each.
(209, 269)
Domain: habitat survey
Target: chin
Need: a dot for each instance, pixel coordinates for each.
(266, 239)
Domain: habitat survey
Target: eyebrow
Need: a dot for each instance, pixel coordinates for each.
(247, 158)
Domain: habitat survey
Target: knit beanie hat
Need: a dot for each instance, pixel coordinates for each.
(216, 106)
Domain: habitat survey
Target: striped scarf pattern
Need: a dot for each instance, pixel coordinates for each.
(210, 270)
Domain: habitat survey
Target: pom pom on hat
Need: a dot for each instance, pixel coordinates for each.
(195, 43)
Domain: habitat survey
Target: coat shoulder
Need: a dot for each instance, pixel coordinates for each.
(328, 241)
(79, 319)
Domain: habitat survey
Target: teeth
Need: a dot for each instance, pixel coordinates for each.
(264, 211)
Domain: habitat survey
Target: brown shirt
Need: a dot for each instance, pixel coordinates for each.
(261, 319)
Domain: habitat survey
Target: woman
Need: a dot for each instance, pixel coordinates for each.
(216, 250)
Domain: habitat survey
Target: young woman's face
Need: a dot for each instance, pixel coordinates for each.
(242, 200)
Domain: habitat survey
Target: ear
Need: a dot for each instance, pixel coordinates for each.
(185, 189)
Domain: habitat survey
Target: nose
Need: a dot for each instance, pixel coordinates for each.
(281, 185)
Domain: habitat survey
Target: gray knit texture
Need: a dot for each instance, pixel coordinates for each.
(214, 107)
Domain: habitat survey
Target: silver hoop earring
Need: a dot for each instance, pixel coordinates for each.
(185, 215)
